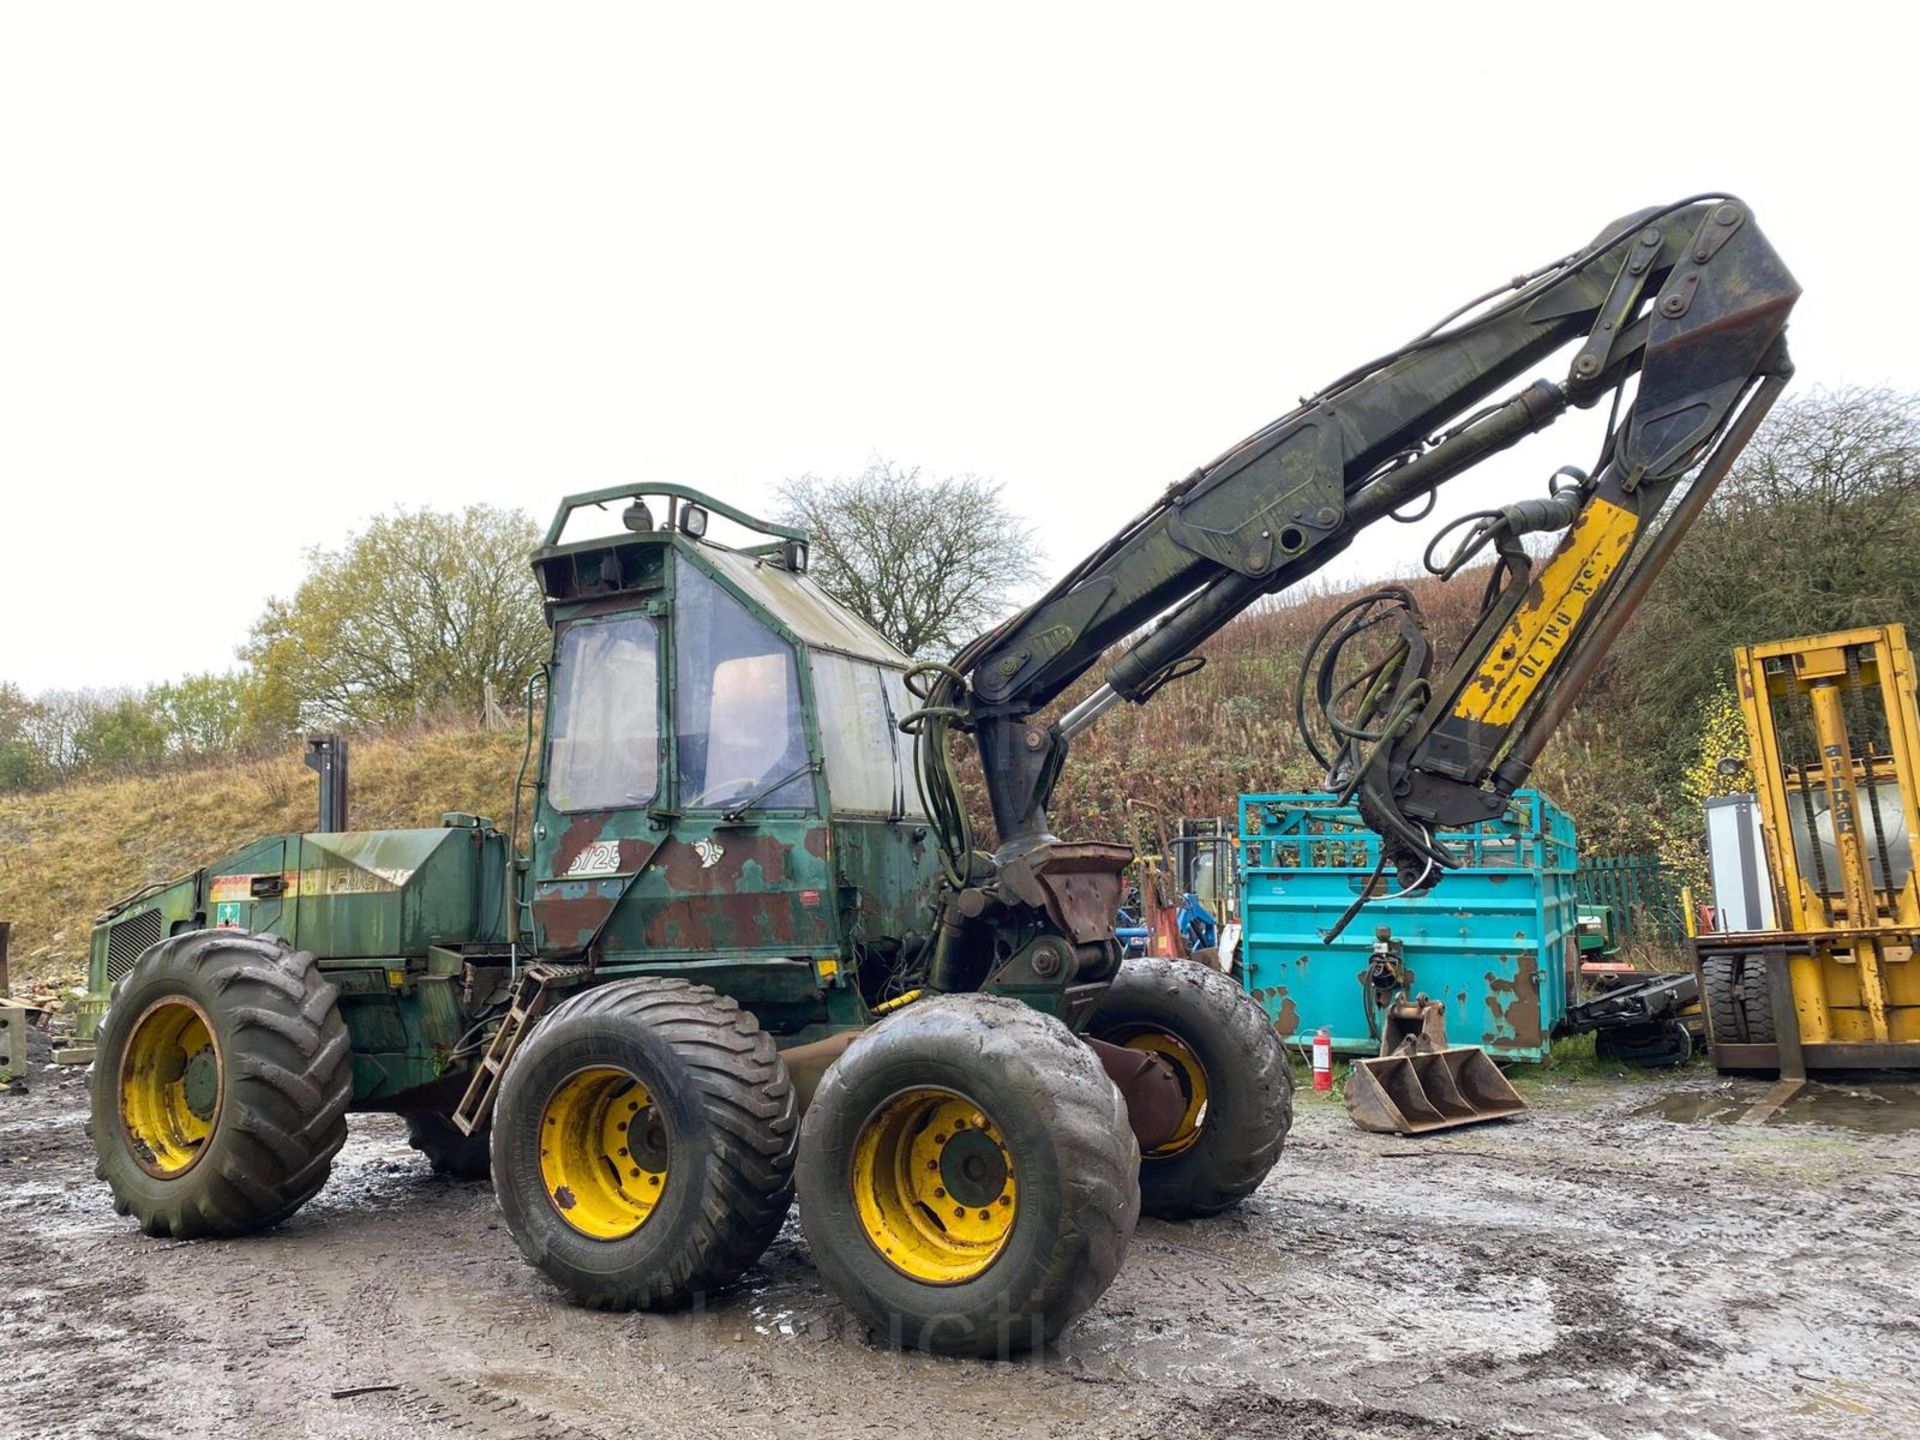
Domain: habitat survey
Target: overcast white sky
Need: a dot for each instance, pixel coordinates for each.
(269, 269)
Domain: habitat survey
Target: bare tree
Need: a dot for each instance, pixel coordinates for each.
(1815, 529)
(928, 562)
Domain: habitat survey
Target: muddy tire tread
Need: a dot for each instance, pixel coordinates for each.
(288, 1083)
(1097, 1158)
(1224, 1168)
(748, 1099)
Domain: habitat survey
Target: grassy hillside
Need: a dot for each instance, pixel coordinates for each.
(1199, 743)
(65, 853)
(1230, 730)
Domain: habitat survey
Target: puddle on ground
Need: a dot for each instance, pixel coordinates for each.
(1875, 1109)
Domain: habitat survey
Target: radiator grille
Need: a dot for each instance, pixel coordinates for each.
(129, 939)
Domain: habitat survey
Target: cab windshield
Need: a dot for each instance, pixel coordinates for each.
(736, 704)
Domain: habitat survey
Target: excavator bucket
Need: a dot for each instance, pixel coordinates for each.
(1420, 1083)
(1434, 1090)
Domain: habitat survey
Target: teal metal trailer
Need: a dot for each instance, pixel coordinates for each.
(1496, 941)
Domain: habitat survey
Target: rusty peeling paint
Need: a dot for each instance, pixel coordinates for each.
(687, 873)
(1287, 1019)
(581, 832)
(742, 921)
(569, 921)
(634, 854)
(1515, 1023)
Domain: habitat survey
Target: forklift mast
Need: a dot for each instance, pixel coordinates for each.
(1834, 736)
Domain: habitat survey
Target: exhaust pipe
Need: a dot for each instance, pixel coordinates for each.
(327, 754)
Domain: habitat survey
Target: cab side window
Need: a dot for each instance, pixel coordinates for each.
(869, 762)
(605, 750)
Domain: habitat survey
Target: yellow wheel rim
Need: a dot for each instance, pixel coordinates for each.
(603, 1152)
(1192, 1076)
(933, 1182)
(171, 1081)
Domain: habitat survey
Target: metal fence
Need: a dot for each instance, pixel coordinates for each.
(1643, 893)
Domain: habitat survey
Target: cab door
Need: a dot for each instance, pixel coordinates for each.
(745, 869)
(600, 817)
(700, 837)
(885, 856)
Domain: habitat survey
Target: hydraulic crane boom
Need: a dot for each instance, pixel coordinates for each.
(1687, 303)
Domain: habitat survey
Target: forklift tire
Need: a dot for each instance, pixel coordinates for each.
(1743, 1018)
(1232, 1065)
(448, 1152)
(643, 1144)
(221, 1078)
(989, 1106)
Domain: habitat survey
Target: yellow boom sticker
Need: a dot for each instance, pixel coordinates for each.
(1547, 618)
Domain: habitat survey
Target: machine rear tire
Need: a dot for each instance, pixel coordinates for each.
(221, 1078)
(1231, 1062)
(699, 1197)
(457, 1156)
(1004, 1104)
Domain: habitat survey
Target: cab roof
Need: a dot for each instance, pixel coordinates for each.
(772, 575)
(816, 619)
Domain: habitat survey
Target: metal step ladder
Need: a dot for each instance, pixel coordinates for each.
(529, 999)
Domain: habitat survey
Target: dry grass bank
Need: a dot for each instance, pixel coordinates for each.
(67, 852)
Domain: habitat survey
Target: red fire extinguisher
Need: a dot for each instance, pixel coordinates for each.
(1323, 1060)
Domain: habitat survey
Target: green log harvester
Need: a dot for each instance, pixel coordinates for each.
(740, 942)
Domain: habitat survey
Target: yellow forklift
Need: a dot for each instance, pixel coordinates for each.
(1835, 743)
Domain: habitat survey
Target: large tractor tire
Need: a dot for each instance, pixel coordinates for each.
(221, 1077)
(643, 1144)
(968, 1180)
(1232, 1068)
(450, 1153)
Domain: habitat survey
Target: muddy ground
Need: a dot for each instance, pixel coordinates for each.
(1622, 1263)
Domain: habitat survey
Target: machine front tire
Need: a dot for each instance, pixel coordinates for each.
(643, 1144)
(986, 1105)
(457, 1156)
(1233, 1067)
(221, 1078)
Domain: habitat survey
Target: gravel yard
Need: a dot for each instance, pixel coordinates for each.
(1624, 1262)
